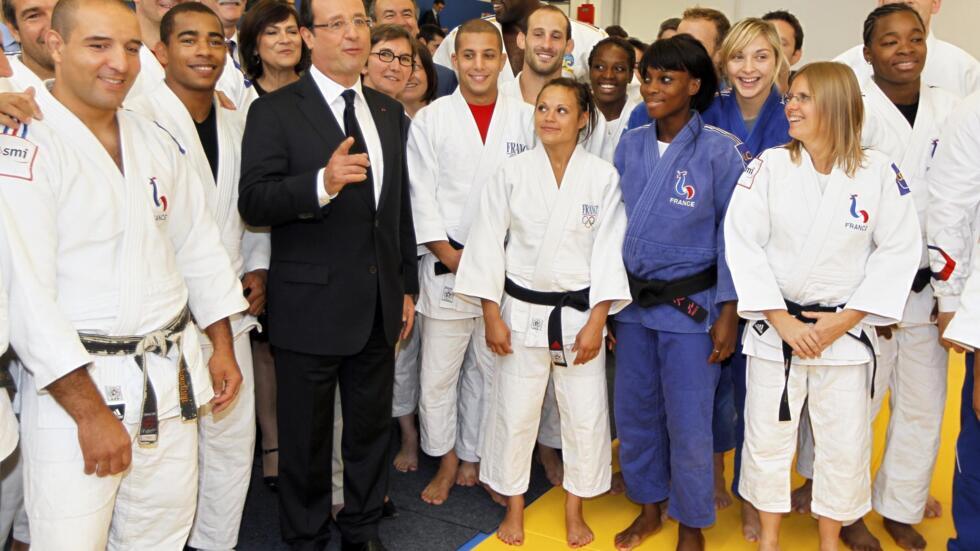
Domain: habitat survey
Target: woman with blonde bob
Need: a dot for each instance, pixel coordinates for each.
(823, 243)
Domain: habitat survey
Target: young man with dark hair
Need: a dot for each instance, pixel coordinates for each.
(791, 38)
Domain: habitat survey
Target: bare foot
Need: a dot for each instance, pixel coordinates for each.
(618, 484)
(751, 525)
(858, 538)
(577, 531)
(646, 524)
(934, 509)
(437, 491)
(511, 530)
(553, 467)
(468, 474)
(689, 539)
(905, 535)
(407, 459)
(723, 499)
(494, 495)
(665, 511)
(801, 497)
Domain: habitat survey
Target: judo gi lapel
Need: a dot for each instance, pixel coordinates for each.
(896, 129)
(490, 153)
(559, 200)
(823, 217)
(661, 170)
(764, 123)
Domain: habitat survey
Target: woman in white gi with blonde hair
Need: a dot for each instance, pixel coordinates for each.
(823, 243)
(546, 294)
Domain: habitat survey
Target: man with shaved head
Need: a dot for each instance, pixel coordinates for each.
(122, 240)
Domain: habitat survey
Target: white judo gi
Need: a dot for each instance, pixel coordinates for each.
(149, 248)
(911, 364)
(22, 77)
(8, 421)
(449, 170)
(605, 136)
(855, 242)
(947, 66)
(227, 440)
(576, 64)
(560, 238)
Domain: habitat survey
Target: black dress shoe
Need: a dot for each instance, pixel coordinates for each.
(372, 545)
(388, 510)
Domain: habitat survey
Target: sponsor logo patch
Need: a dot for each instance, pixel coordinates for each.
(17, 157)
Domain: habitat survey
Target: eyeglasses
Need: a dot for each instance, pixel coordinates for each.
(804, 99)
(340, 25)
(387, 56)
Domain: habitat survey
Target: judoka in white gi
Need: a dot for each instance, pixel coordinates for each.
(903, 118)
(545, 296)
(149, 248)
(954, 209)
(947, 65)
(233, 80)
(507, 19)
(193, 48)
(610, 70)
(446, 186)
(545, 43)
(816, 265)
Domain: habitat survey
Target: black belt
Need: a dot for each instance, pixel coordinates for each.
(796, 311)
(653, 292)
(922, 279)
(578, 300)
(442, 269)
(158, 342)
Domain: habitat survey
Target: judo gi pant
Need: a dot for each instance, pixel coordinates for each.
(13, 516)
(966, 478)
(515, 398)
(150, 506)
(456, 369)
(839, 403)
(406, 394)
(664, 400)
(226, 450)
(912, 365)
(549, 430)
(725, 427)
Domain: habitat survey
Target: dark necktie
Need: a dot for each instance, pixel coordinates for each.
(353, 130)
(234, 58)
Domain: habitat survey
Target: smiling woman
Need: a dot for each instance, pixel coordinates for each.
(392, 60)
(272, 51)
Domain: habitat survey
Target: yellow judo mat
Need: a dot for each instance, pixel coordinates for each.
(545, 528)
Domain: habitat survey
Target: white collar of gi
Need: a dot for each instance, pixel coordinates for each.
(330, 89)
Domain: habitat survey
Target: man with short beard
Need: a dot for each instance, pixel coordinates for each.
(548, 39)
(29, 21)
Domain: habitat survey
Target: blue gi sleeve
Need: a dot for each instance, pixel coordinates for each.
(728, 168)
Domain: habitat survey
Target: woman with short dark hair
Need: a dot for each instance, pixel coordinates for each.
(272, 50)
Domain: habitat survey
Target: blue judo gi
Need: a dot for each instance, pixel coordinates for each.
(664, 385)
(966, 479)
(771, 129)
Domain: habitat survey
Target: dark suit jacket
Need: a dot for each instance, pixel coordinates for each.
(429, 17)
(446, 81)
(329, 265)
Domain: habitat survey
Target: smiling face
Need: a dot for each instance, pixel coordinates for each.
(229, 11)
(897, 51)
(546, 42)
(397, 12)
(417, 84)
(609, 75)
(557, 116)
(752, 69)
(802, 112)
(388, 78)
(668, 93)
(478, 62)
(33, 21)
(195, 56)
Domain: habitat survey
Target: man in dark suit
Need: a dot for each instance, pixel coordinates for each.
(404, 13)
(323, 164)
(431, 17)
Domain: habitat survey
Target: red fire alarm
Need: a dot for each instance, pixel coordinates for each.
(586, 13)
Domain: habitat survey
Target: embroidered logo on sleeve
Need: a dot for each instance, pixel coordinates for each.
(17, 155)
(903, 186)
(748, 175)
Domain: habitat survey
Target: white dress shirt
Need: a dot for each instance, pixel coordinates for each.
(331, 92)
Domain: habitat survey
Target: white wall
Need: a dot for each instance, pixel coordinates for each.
(830, 26)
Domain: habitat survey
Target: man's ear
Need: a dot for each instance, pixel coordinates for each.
(160, 51)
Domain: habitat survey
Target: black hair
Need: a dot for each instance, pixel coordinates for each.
(431, 77)
(792, 21)
(885, 11)
(683, 52)
(669, 25)
(637, 43)
(583, 97)
(260, 16)
(434, 2)
(429, 31)
(617, 42)
(167, 23)
(618, 31)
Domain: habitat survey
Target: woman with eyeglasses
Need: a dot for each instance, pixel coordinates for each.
(392, 60)
(273, 53)
(823, 241)
(422, 85)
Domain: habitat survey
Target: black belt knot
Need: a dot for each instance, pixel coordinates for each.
(653, 292)
(578, 300)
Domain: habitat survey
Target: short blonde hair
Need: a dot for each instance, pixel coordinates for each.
(840, 108)
(742, 34)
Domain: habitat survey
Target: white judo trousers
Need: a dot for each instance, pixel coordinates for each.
(449, 170)
(13, 515)
(405, 393)
(561, 239)
(911, 364)
(865, 229)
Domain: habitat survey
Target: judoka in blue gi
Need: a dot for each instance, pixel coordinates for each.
(677, 175)
(751, 109)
